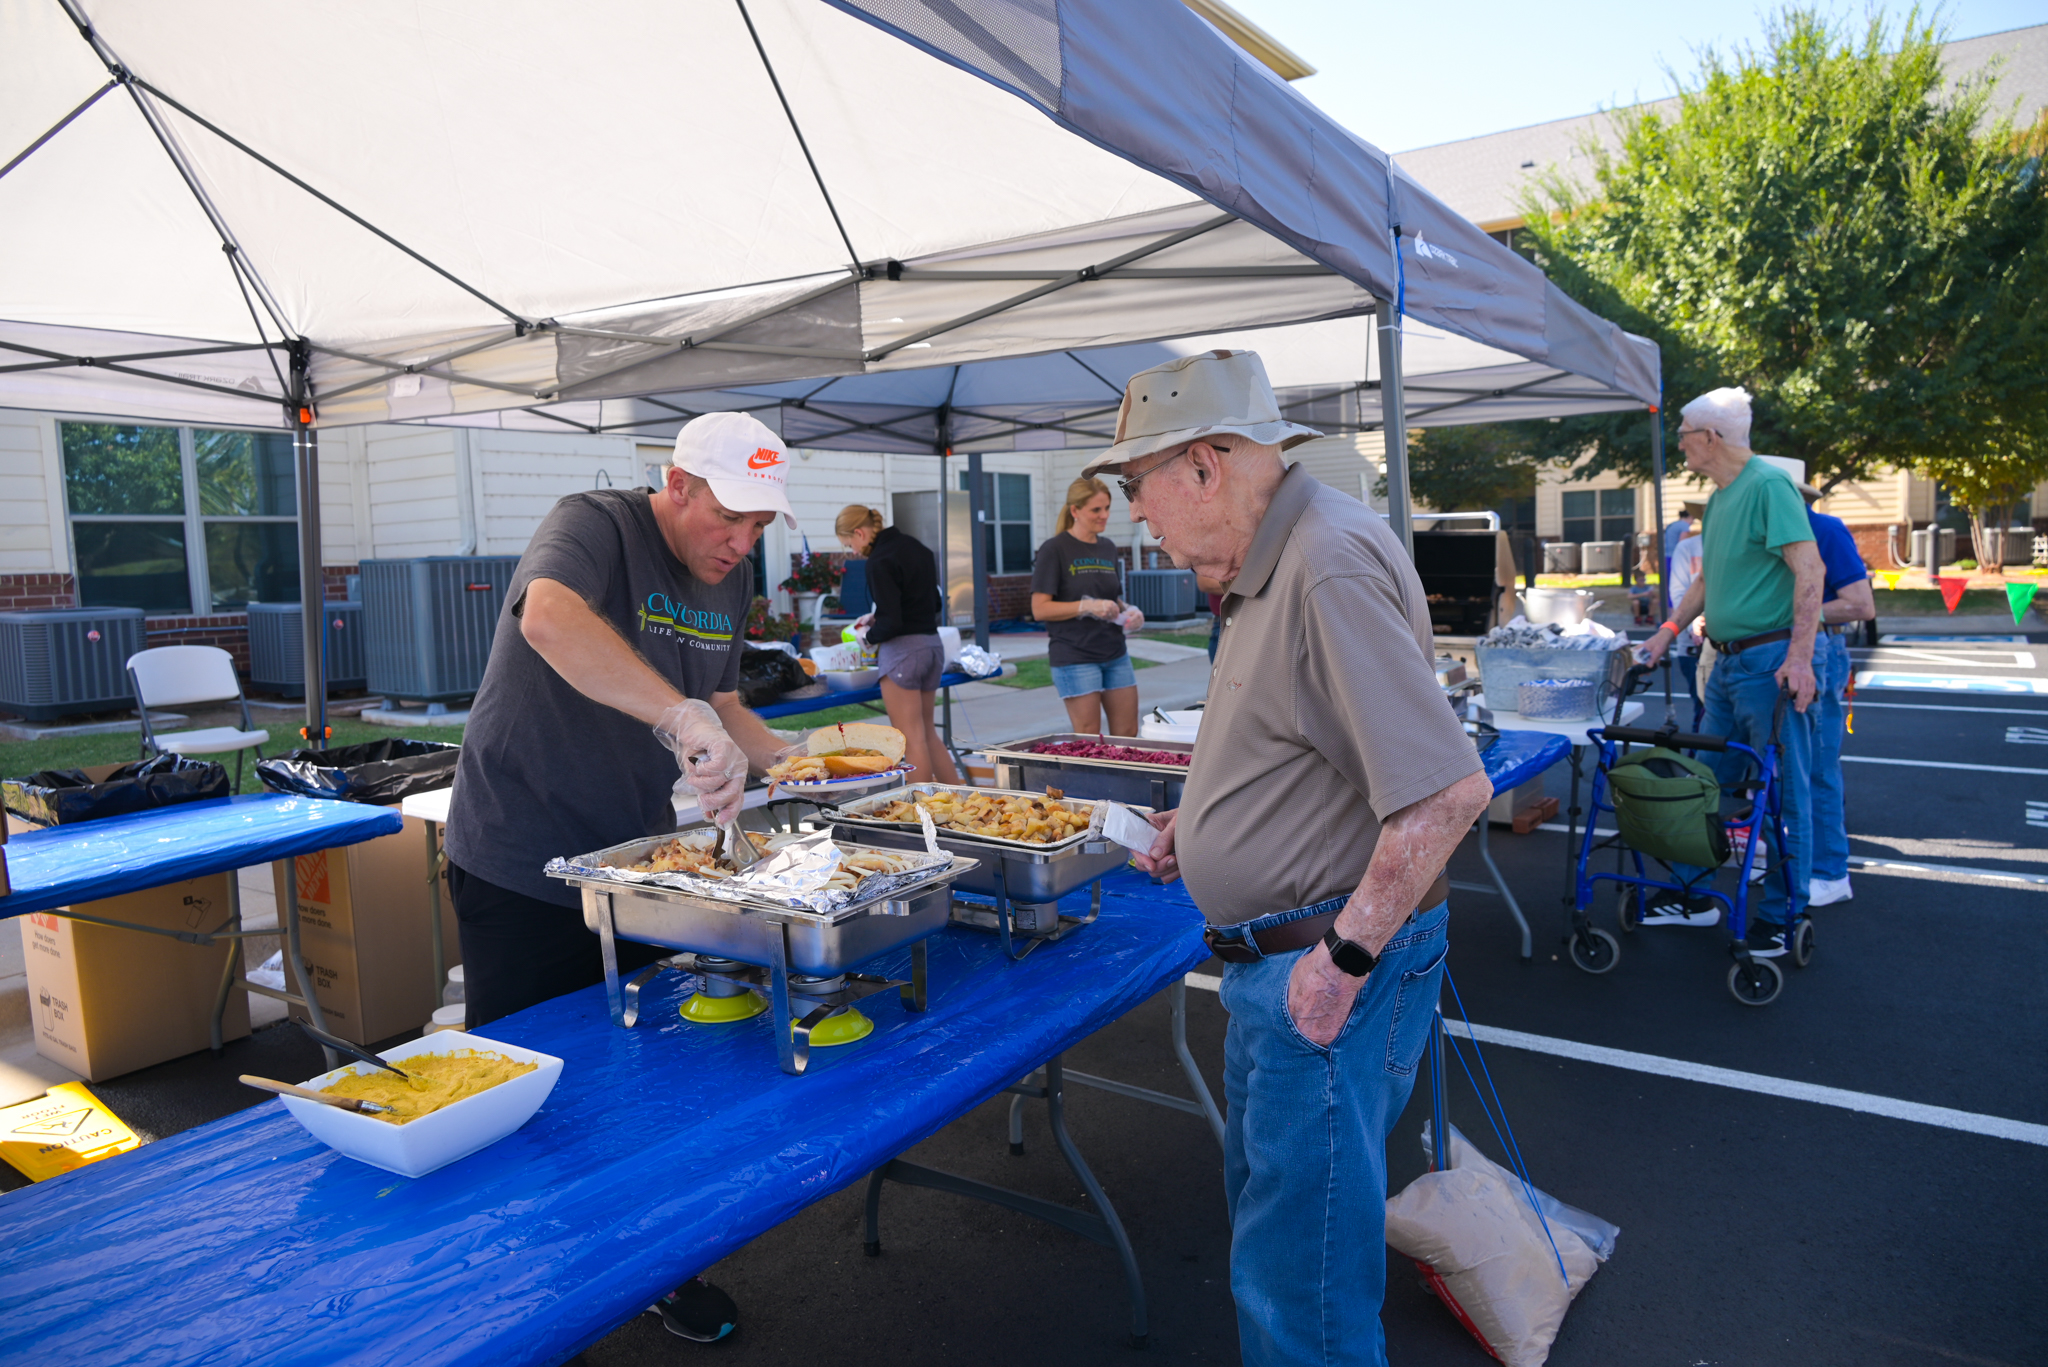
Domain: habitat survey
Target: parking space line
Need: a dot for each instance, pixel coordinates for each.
(1969, 1122)
(1862, 703)
(1942, 764)
(1956, 872)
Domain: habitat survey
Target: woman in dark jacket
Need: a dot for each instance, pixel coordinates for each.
(904, 627)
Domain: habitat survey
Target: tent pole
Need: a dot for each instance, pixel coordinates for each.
(977, 517)
(1394, 424)
(1662, 561)
(312, 586)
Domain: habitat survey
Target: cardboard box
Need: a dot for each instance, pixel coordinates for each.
(364, 934)
(106, 1001)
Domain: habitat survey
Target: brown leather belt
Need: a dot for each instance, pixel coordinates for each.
(1762, 638)
(1292, 935)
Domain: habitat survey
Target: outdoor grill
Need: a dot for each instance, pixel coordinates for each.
(1457, 573)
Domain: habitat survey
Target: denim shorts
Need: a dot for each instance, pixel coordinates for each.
(1078, 681)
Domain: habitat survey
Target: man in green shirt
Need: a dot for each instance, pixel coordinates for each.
(1759, 586)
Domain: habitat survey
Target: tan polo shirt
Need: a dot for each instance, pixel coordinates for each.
(1324, 713)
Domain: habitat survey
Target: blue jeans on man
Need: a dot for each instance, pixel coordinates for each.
(1830, 723)
(1742, 696)
(1305, 1150)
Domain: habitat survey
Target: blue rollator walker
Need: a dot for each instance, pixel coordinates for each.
(1668, 807)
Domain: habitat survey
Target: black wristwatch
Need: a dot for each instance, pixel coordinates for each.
(1351, 958)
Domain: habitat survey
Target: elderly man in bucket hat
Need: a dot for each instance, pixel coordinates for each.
(1330, 786)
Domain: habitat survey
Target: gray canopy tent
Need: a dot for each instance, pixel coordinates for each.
(391, 227)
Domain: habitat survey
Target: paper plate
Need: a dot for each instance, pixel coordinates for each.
(839, 787)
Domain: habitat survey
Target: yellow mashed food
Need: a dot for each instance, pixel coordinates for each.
(435, 1080)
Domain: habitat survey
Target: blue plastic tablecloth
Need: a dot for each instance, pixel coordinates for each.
(662, 1149)
(846, 699)
(93, 859)
(1519, 756)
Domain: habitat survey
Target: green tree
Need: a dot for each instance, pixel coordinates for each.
(1829, 223)
(1462, 469)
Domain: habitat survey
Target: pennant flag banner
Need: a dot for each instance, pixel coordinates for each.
(1952, 586)
(1888, 578)
(2019, 597)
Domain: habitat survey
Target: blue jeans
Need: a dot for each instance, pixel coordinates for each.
(1078, 681)
(1742, 693)
(1830, 827)
(1305, 1150)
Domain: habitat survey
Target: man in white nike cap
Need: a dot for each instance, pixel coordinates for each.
(1331, 785)
(616, 659)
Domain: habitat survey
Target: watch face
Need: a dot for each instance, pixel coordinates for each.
(1350, 958)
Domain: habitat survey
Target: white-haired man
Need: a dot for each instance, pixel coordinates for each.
(1760, 586)
(1331, 785)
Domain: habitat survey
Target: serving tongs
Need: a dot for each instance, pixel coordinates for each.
(735, 848)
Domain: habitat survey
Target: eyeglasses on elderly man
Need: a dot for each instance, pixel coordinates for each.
(1129, 483)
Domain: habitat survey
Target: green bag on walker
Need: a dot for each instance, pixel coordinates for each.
(1668, 807)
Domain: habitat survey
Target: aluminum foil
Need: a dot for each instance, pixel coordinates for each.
(793, 876)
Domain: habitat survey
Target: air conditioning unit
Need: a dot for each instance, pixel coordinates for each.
(428, 623)
(1601, 557)
(58, 662)
(1560, 557)
(277, 654)
(1162, 595)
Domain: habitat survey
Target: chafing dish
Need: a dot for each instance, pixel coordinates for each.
(1156, 785)
(748, 944)
(1026, 881)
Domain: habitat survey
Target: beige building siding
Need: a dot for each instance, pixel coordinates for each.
(33, 536)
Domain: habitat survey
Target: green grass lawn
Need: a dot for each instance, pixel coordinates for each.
(1037, 673)
(18, 758)
(1198, 639)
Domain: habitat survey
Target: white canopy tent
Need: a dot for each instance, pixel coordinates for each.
(229, 212)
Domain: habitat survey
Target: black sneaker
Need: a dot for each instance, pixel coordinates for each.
(1765, 940)
(697, 1311)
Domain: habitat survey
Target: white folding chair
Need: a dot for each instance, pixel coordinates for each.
(172, 676)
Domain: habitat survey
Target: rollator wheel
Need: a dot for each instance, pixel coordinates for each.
(1595, 951)
(1802, 943)
(1628, 908)
(1756, 983)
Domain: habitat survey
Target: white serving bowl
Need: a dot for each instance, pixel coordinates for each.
(1180, 726)
(1566, 607)
(433, 1141)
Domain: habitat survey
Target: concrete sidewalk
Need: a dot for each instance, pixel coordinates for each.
(989, 714)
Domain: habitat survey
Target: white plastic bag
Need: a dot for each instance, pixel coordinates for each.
(1486, 1253)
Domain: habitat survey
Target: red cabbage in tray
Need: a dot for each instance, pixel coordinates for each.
(1095, 749)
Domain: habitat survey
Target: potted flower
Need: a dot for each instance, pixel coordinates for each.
(765, 624)
(811, 577)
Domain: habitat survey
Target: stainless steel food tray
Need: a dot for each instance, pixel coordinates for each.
(1085, 779)
(613, 865)
(857, 816)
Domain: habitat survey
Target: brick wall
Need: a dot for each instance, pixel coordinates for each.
(228, 630)
(1009, 595)
(29, 592)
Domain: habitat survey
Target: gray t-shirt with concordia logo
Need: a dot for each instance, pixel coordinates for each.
(544, 770)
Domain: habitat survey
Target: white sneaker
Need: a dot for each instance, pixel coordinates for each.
(1825, 892)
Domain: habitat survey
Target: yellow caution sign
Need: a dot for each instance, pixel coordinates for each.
(66, 1128)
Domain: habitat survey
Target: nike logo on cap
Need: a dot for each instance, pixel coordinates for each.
(764, 458)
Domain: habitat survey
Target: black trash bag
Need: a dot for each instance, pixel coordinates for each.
(60, 797)
(766, 675)
(381, 771)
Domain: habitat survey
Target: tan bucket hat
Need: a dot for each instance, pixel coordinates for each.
(1212, 393)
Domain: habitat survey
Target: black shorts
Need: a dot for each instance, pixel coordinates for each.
(518, 951)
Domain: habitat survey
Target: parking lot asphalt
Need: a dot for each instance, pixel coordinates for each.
(1755, 1228)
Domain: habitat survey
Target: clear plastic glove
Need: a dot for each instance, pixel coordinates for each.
(1105, 608)
(714, 768)
(1131, 620)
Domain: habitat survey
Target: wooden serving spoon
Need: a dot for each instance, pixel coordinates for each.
(346, 1103)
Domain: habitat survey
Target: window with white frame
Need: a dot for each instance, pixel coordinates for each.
(1007, 534)
(177, 520)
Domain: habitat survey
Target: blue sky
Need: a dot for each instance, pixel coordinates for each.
(1411, 74)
